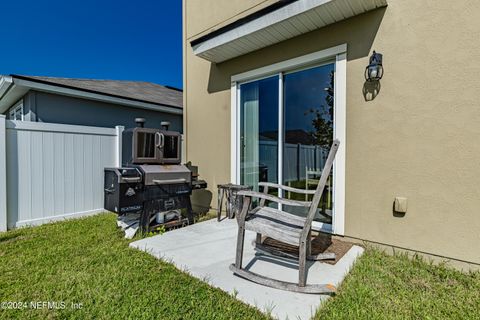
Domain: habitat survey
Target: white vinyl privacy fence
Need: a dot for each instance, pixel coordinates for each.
(52, 171)
(297, 159)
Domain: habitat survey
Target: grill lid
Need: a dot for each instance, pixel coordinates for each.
(165, 174)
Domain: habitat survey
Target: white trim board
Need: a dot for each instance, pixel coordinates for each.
(234, 145)
(339, 53)
(340, 132)
(75, 215)
(55, 127)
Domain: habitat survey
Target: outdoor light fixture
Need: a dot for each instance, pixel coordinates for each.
(374, 71)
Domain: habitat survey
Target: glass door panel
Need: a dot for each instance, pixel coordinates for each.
(308, 134)
(259, 132)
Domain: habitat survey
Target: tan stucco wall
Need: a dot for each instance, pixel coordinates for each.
(205, 16)
(419, 138)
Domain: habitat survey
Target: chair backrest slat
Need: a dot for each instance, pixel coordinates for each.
(320, 187)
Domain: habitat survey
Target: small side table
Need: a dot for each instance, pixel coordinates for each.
(229, 191)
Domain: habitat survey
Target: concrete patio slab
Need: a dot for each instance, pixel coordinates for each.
(206, 250)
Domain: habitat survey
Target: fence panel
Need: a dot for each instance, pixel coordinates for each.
(3, 177)
(55, 171)
(268, 156)
(297, 159)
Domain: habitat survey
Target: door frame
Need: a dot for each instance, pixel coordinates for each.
(338, 55)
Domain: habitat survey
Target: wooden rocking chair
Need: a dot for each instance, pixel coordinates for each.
(284, 227)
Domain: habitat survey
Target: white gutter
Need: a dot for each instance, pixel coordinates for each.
(5, 83)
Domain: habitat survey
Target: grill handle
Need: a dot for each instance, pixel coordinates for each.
(159, 140)
(170, 181)
(132, 179)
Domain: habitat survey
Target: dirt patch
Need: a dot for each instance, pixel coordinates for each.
(8, 238)
(321, 243)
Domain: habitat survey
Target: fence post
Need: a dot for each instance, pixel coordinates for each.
(298, 161)
(184, 150)
(118, 158)
(3, 175)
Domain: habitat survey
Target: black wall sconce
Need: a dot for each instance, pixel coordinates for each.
(374, 71)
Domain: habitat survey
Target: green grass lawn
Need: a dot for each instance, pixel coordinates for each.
(87, 261)
(398, 287)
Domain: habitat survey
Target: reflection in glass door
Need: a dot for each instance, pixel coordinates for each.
(308, 133)
(259, 131)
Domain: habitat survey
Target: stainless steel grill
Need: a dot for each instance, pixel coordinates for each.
(156, 192)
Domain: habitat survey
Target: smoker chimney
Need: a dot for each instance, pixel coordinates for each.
(165, 125)
(140, 122)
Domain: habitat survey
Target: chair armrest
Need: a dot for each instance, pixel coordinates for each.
(287, 188)
(288, 202)
(243, 213)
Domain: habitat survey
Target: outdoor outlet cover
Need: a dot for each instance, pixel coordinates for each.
(400, 204)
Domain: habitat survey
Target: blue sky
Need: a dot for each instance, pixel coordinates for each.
(103, 39)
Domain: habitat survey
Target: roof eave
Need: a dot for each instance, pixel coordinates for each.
(298, 17)
(21, 85)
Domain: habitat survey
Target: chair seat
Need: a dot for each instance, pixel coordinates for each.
(276, 224)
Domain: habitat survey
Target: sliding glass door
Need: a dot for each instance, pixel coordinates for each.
(286, 129)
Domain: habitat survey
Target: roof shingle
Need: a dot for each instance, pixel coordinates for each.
(134, 90)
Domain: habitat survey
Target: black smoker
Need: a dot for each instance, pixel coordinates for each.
(151, 181)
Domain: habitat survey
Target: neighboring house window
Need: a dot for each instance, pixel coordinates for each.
(16, 112)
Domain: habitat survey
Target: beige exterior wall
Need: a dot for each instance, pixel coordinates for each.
(419, 138)
(205, 16)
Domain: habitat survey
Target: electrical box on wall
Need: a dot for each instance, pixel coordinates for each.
(400, 205)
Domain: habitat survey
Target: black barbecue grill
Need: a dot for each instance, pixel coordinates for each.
(148, 183)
